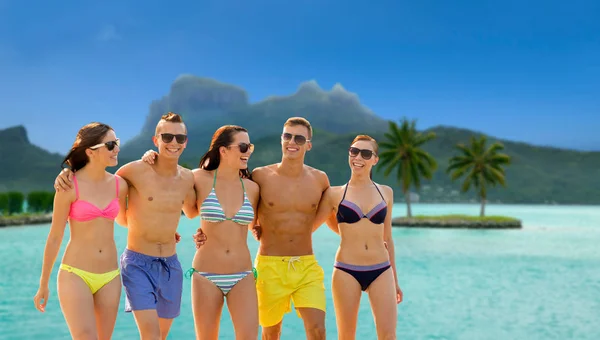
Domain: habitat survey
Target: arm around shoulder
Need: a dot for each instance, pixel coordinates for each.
(323, 179)
(257, 174)
(123, 201)
(190, 203)
(128, 170)
(252, 191)
(325, 210)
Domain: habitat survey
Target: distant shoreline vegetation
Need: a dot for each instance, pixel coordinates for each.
(458, 222)
(18, 209)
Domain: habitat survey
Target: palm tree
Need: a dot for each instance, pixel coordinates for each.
(403, 153)
(482, 167)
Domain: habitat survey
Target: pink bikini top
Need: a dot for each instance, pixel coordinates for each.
(85, 211)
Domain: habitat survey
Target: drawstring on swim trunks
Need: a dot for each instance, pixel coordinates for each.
(292, 260)
(163, 262)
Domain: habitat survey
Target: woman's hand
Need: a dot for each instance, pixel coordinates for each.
(41, 298)
(399, 294)
(149, 156)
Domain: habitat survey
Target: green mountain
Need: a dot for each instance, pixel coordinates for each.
(537, 174)
(25, 167)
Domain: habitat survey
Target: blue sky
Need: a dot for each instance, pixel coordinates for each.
(521, 70)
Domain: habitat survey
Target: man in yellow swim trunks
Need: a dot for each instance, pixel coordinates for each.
(288, 272)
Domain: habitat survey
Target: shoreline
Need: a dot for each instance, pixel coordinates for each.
(458, 222)
(25, 219)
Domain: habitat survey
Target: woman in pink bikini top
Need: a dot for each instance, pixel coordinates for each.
(89, 284)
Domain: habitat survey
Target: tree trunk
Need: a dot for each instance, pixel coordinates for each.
(482, 212)
(407, 197)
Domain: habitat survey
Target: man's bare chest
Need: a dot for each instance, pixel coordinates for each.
(161, 193)
(279, 196)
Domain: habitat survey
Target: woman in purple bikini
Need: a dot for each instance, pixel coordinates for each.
(361, 213)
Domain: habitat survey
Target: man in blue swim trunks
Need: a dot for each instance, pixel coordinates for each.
(158, 192)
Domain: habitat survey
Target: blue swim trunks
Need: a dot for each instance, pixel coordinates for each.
(152, 283)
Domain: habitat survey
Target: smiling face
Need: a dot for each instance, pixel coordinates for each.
(362, 156)
(295, 141)
(170, 139)
(106, 152)
(237, 153)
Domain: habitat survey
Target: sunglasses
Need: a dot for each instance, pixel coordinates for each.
(298, 139)
(364, 153)
(168, 137)
(109, 145)
(244, 147)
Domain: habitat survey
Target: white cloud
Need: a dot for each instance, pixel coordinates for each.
(108, 33)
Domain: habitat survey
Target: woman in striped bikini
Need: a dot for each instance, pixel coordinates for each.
(222, 267)
(365, 259)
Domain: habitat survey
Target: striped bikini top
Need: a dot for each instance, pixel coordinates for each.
(211, 209)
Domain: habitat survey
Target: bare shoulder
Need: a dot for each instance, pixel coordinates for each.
(320, 175)
(132, 168)
(258, 174)
(122, 183)
(202, 178)
(386, 191)
(186, 173)
(201, 173)
(334, 192)
(65, 197)
(250, 185)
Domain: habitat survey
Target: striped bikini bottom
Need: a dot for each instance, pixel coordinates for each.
(225, 282)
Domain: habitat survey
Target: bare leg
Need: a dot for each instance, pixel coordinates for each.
(147, 323)
(77, 304)
(207, 304)
(346, 301)
(165, 327)
(106, 303)
(314, 323)
(272, 332)
(382, 295)
(243, 308)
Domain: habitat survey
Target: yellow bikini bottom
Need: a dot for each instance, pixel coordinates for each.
(93, 280)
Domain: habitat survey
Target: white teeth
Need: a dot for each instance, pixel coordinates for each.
(357, 165)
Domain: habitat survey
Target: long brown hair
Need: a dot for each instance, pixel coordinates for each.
(368, 139)
(89, 135)
(222, 137)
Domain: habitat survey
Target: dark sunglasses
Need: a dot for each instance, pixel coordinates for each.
(244, 147)
(364, 153)
(298, 139)
(168, 137)
(110, 146)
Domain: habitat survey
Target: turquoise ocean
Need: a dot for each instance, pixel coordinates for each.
(540, 282)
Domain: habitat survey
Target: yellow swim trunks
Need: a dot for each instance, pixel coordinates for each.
(285, 279)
